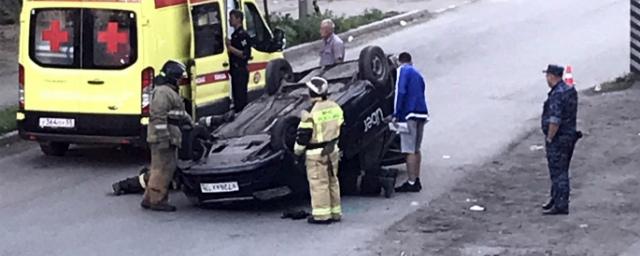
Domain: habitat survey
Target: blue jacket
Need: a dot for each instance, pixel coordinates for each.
(561, 108)
(410, 100)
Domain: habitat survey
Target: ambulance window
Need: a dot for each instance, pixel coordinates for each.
(207, 28)
(53, 40)
(113, 40)
(256, 28)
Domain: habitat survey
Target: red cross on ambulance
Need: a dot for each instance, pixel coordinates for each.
(112, 37)
(55, 35)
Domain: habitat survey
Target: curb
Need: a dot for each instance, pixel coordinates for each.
(9, 138)
(304, 49)
(298, 51)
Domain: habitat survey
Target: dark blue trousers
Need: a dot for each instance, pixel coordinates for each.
(559, 154)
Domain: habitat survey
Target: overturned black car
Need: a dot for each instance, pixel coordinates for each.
(252, 156)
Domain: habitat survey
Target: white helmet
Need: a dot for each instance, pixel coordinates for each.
(318, 87)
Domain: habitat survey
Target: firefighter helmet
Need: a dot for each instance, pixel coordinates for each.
(318, 87)
(172, 71)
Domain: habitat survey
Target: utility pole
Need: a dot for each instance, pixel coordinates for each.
(305, 8)
(266, 12)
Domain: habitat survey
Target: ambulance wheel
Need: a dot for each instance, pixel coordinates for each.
(54, 148)
(374, 66)
(277, 71)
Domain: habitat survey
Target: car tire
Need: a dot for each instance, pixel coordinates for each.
(277, 71)
(374, 66)
(284, 132)
(54, 148)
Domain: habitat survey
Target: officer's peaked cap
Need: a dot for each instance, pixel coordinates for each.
(554, 70)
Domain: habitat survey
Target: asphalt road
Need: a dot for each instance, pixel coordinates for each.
(483, 65)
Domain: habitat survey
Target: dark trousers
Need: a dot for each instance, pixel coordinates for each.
(559, 154)
(239, 87)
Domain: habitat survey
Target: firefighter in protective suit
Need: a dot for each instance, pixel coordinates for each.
(167, 115)
(317, 136)
(137, 184)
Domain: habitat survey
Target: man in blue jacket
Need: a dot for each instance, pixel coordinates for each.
(410, 112)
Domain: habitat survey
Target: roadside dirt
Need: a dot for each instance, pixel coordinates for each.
(605, 198)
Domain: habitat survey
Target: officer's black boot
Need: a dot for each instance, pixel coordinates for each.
(548, 205)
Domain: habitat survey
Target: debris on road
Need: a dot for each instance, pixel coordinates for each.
(536, 147)
(584, 225)
(597, 88)
(477, 208)
(403, 23)
(414, 203)
(446, 157)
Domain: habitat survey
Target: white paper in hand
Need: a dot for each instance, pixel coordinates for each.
(399, 127)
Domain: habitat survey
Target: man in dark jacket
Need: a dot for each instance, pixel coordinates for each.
(558, 123)
(239, 48)
(410, 116)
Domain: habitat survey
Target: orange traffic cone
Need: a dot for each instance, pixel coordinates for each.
(568, 76)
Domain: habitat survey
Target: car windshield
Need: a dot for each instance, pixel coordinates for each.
(83, 38)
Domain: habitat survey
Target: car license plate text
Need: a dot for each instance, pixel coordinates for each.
(57, 123)
(219, 187)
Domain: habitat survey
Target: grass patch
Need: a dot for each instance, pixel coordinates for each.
(299, 31)
(621, 83)
(8, 119)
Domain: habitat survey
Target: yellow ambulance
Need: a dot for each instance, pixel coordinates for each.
(86, 67)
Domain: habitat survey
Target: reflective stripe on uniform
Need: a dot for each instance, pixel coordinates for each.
(160, 126)
(297, 148)
(321, 211)
(305, 125)
(316, 151)
(177, 113)
(336, 210)
(141, 181)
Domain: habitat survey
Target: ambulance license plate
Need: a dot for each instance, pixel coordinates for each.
(57, 123)
(219, 187)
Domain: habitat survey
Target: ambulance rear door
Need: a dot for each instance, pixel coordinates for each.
(210, 79)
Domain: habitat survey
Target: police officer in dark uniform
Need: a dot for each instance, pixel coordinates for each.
(559, 126)
(239, 48)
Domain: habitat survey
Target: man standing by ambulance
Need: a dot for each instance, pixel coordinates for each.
(167, 114)
(412, 113)
(239, 48)
(318, 135)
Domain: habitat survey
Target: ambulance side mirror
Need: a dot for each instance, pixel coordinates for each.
(191, 63)
(279, 38)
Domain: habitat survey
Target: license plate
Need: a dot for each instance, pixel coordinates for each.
(57, 123)
(219, 187)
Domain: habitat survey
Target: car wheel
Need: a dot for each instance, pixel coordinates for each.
(283, 133)
(373, 66)
(277, 71)
(54, 148)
